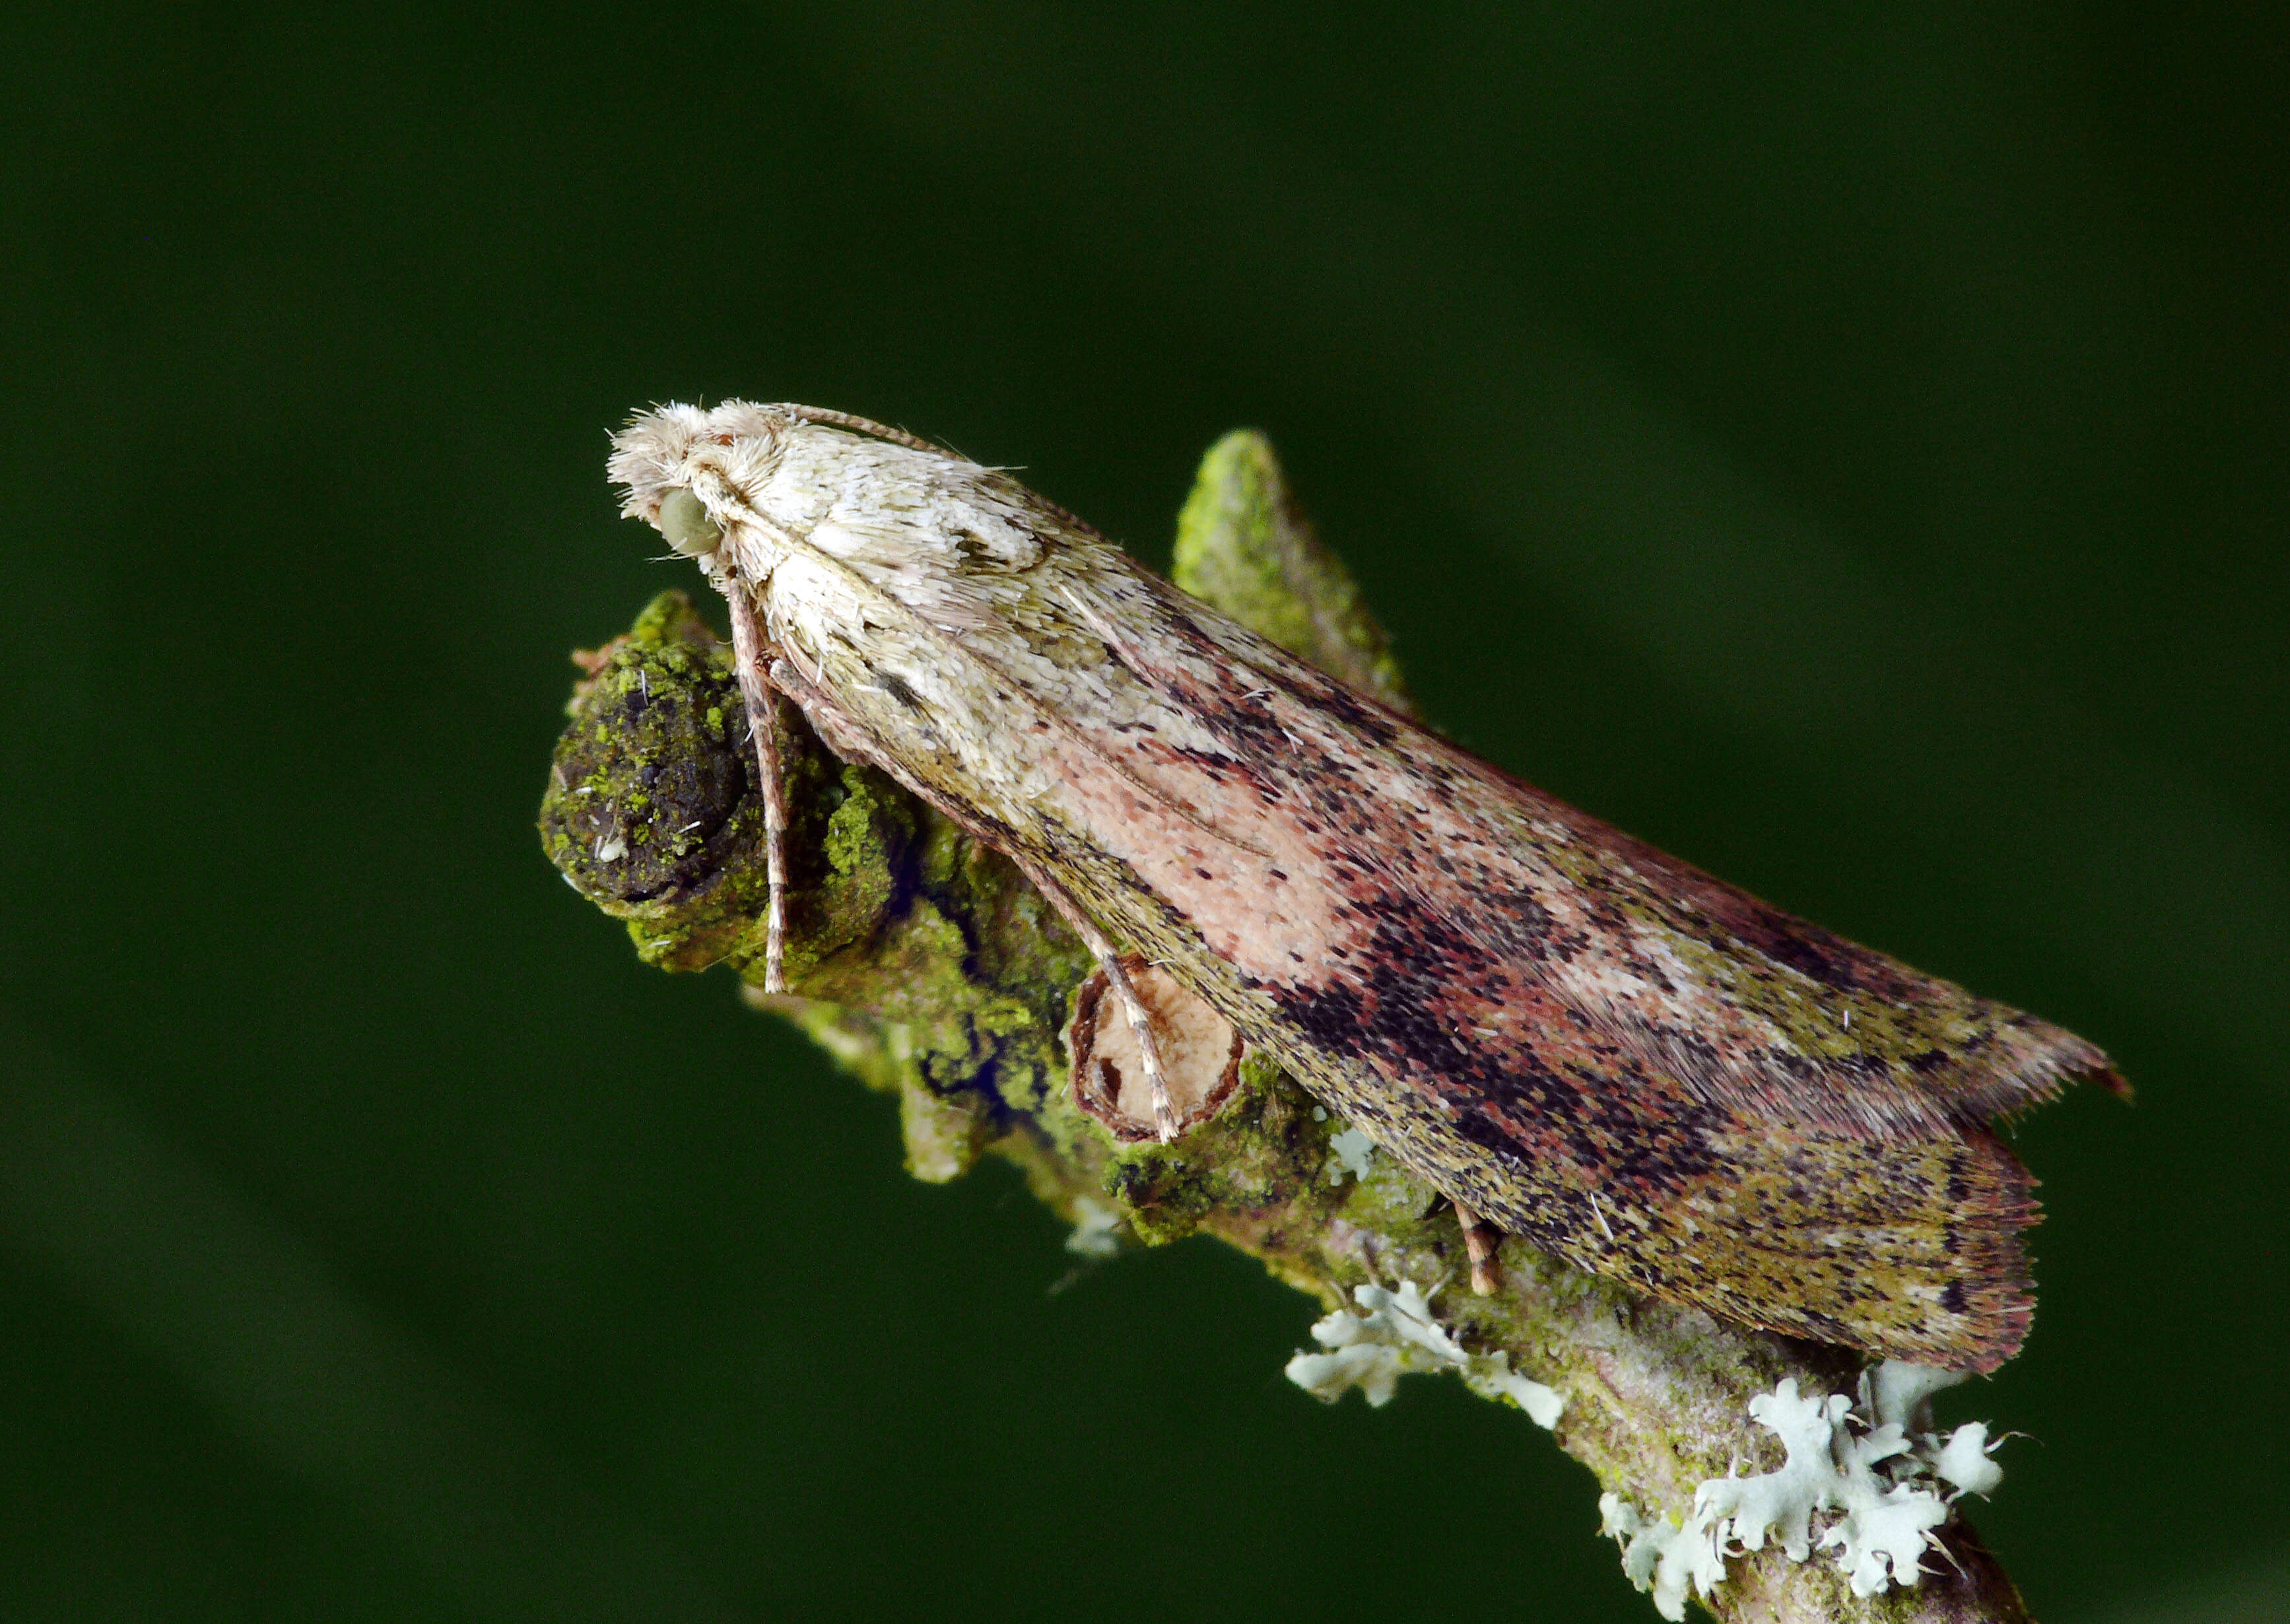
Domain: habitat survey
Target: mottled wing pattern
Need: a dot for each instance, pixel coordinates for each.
(1601, 1047)
(1598, 1047)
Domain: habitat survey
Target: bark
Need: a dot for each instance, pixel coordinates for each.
(925, 966)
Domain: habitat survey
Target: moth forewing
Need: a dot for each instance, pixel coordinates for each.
(1574, 1037)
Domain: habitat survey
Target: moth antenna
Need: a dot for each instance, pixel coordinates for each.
(1480, 1241)
(1148, 1048)
(868, 426)
(747, 659)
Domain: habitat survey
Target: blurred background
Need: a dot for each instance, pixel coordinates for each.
(1847, 449)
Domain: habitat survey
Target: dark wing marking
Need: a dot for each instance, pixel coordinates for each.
(1611, 1051)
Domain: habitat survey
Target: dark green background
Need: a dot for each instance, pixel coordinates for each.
(1847, 448)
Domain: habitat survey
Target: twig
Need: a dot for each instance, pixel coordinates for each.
(927, 966)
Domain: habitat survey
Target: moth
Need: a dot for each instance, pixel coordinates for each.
(1578, 1039)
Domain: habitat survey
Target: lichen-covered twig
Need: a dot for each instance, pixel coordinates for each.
(926, 964)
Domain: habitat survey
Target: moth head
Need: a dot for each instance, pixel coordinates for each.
(687, 470)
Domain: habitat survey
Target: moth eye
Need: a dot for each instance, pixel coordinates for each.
(686, 524)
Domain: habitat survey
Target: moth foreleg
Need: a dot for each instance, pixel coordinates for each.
(747, 659)
(1480, 1241)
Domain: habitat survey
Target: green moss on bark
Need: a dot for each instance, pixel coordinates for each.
(1243, 545)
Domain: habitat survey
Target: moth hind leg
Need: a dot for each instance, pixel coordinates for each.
(1482, 1243)
(1149, 1047)
(1140, 1020)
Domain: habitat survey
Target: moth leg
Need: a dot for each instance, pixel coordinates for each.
(1149, 1047)
(1140, 1023)
(1480, 1240)
(747, 659)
